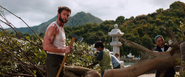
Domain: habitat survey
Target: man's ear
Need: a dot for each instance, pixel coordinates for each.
(58, 14)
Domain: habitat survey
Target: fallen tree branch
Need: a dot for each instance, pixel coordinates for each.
(144, 51)
(26, 69)
(17, 74)
(21, 35)
(21, 62)
(82, 71)
(22, 21)
(150, 60)
(174, 39)
(77, 69)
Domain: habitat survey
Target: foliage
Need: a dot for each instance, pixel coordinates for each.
(81, 55)
(142, 29)
(16, 53)
(14, 56)
(181, 71)
(182, 63)
(182, 29)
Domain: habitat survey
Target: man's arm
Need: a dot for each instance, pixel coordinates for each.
(155, 49)
(49, 38)
(98, 58)
(100, 55)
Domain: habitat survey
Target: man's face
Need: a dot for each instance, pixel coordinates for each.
(99, 48)
(64, 16)
(117, 56)
(160, 42)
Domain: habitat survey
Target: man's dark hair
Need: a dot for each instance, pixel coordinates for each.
(117, 54)
(60, 9)
(99, 44)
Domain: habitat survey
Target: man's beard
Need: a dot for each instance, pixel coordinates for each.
(61, 20)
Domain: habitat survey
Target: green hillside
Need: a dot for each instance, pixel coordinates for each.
(140, 29)
(81, 18)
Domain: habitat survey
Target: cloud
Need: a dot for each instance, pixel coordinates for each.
(162, 3)
(104, 9)
(34, 12)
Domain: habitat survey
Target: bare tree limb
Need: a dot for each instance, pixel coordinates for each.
(174, 39)
(40, 70)
(22, 21)
(145, 52)
(21, 35)
(17, 74)
(26, 69)
(175, 44)
(134, 45)
(77, 69)
(19, 49)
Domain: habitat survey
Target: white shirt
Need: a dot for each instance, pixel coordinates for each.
(59, 41)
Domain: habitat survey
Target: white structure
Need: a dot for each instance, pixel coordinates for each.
(130, 55)
(115, 33)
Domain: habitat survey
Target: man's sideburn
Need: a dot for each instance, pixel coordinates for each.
(61, 20)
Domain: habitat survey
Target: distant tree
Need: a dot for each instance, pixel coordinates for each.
(26, 34)
(68, 29)
(159, 10)
(147, 42)
(33, 37)
(120, 20)
(158, 21)
(131, 18)
(176, 5)
(88, 27)
(18, 35)
(41, 35)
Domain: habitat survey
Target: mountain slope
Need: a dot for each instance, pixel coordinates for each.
(81, 18)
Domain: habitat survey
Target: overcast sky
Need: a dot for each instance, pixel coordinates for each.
(34, 12)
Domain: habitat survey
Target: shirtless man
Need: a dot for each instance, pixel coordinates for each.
(54, 42)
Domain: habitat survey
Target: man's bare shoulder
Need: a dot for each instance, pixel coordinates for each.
(52, 28)
(52, 25)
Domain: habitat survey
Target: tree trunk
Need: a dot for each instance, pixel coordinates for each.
(77, 71)
(70, 74)
(160, 61)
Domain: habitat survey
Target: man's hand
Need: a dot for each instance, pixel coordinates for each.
(68, 49)
(90, 66)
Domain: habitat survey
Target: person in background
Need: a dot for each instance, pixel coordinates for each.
(115, 62)
(54, 43)
(103, 57)
(117, 55)
(161, 47)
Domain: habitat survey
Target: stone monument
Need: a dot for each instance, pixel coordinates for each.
(115, 33)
